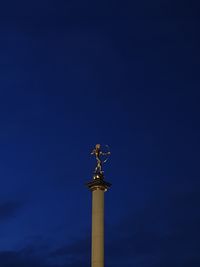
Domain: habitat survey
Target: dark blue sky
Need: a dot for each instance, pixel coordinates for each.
(77, 73)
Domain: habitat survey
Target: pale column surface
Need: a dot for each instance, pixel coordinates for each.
(98, 228)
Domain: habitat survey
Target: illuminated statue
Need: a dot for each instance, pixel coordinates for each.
(99, 155)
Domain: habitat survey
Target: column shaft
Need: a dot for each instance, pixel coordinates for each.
(98, 228)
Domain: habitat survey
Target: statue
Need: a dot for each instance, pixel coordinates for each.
(98, 173)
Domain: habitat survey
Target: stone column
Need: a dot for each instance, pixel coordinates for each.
(98, 228)
(98, 187)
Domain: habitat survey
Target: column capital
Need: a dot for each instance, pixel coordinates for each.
(98, 183)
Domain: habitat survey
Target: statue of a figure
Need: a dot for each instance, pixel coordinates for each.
(98, 154)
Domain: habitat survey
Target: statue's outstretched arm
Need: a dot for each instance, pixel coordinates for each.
(105, 153)
(93, 152)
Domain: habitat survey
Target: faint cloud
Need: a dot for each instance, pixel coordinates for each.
(16, 259)
(8, 210)
(74, 253)
(164, 233)
(27, 258)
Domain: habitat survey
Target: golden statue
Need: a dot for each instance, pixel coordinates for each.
(98, 173)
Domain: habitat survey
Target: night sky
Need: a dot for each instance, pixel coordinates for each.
(122, 73)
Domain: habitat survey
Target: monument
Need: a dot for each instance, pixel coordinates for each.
(98, 186)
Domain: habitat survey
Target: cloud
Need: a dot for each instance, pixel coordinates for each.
(74, 254)
(16, 259)
(8, 210)
(27, 258)
(80, 247)
(165, 233)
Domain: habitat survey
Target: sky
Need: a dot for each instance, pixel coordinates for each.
(118, 73)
